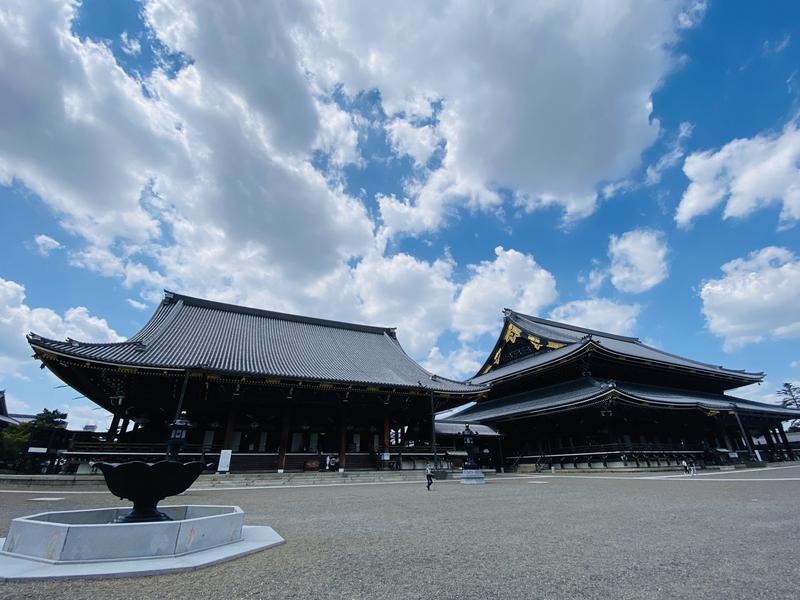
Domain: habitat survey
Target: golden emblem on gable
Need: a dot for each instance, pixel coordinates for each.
(512, 333)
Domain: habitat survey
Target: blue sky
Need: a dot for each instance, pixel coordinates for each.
(629, 166)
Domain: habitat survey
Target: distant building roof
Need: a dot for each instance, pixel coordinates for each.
(568, 340)
(187, 333)
(4, 416)
(23, 418)
(586, 391)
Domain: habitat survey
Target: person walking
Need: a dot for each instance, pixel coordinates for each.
(429, 476)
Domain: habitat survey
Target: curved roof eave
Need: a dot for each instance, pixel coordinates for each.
(700, 368)
(553, 358)
(580, 393)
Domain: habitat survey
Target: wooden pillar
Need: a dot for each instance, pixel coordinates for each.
(726, 438)
(778, 444)
(501, 466)
(230, 426)
(284, 443)
(744, 434)
(386, 427)
(770, 443)
(114, 425)
(343, 438)
(786, 444)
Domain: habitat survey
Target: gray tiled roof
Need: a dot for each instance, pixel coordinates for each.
(586, 391)
(577, 337)
(192, 333)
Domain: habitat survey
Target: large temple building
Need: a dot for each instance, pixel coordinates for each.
(285, 392)
(279, 390)
(572, 397)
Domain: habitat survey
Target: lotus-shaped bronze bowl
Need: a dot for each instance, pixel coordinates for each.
(146, 484)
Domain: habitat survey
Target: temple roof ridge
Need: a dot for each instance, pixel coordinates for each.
(585, 330)
(260, 312)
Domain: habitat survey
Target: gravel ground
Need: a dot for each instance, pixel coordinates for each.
(548, 537)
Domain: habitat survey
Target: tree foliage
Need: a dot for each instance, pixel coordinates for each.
(14, 440)
(790, 398)
(50, 419)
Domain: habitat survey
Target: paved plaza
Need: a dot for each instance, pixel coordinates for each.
(717, 535)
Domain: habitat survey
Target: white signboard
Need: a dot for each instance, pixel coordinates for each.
(224, 461)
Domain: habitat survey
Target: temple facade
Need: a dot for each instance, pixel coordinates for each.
(284, 392)
(571, 397)
(287, 392)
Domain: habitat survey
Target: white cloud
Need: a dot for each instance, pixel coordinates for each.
(511, 280)
(17, 406)
(417, 142)
(599, 313)
(551, 128)
(777, 46)
(82, 104)
(758, 392)
(130, 45)
(460, 363)
(638, 263)
(210, 186)
(671, 157)
(45, 244)
(692, 14)
(136, 304)
(17, 319)
(80, 414)
(756, 299)
(258, 66)
(747, 174)
(412, 294)
(594, 281)
(337, 135)
(638, 260)
(434, 202)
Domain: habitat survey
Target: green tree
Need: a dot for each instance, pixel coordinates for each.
(50, 419)
(14, 440)
(790, 398)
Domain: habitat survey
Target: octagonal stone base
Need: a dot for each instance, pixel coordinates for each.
(84, 543)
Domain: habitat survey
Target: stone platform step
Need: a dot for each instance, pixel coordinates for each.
(14, 481)
(214, 480)
(266, 479)
(655, 469)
